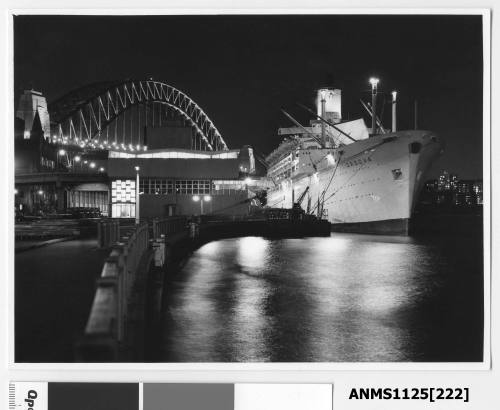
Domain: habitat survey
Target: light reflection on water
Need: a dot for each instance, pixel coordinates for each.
(343, 298)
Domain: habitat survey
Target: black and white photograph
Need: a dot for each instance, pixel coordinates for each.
(250, 188)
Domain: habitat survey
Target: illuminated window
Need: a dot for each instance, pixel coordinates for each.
(123, 198)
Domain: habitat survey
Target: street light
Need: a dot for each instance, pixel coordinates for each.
(92, 165)
(137, 205)
(206, 198)
(374, 82)
(60, 153)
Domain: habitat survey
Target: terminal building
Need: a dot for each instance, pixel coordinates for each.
(175, 178)
(174, 181)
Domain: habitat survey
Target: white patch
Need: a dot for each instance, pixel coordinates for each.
(29, 396)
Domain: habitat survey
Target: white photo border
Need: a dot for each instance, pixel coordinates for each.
(8, 164)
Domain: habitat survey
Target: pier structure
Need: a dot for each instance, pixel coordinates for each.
(125, 315)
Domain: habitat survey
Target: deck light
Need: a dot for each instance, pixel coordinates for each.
(374, 82)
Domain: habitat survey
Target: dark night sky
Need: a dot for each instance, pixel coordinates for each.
(242, 69)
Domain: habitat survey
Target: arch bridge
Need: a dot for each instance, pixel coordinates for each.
(115, 115)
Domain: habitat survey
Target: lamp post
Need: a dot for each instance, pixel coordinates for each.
(60, 153)
(77, 160)
(374, 83)
(137, 205)
(206, 198)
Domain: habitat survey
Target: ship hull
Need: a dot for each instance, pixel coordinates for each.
(385, 227)
(370, 187)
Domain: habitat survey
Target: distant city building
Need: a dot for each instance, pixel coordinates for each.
(477, 188)
(449, 190)
(447, 181)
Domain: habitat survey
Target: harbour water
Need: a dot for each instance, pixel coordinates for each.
(344, 298)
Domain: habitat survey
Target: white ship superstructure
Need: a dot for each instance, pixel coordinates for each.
(356, 181)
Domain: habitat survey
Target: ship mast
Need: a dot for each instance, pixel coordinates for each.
(394, 94)
(323, 111)
(374, 82)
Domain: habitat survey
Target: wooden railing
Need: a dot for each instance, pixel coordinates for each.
(106, 326)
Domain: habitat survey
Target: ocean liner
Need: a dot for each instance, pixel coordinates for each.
(360, 181)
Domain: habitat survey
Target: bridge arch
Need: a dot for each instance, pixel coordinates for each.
(81, 116)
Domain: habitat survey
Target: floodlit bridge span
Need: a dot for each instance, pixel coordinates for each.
(115, 114)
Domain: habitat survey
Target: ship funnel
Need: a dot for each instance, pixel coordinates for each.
(329, 104)
(394, 95)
